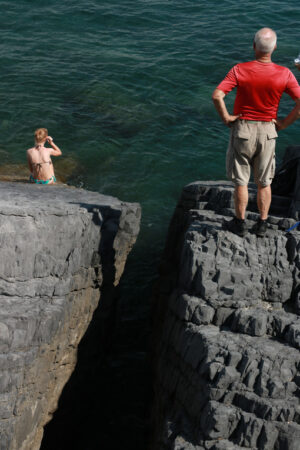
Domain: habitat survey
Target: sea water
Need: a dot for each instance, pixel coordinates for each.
(124, 88)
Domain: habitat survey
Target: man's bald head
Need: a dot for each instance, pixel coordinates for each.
(265, 40)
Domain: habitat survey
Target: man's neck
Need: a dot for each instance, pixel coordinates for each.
(263, 57)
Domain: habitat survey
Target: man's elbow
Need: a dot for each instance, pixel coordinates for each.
(214, 95)
(217, 95)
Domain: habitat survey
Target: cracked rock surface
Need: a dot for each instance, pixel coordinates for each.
(60, 247)
(227, 329)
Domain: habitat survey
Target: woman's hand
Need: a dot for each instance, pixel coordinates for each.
(49, 139)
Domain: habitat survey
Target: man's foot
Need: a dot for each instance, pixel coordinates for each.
(260, 227)
(237, 226)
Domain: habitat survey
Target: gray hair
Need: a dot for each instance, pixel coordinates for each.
(265, 40)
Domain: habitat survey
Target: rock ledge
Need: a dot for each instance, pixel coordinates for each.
(60, 247)
(227, 335)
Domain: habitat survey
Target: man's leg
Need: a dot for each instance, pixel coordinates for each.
(264, 196)
(238, 225)
(264, 169)
(238, 171)
(240, 201)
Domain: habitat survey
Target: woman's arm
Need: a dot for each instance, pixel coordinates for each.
(29, 162)
(55, 151)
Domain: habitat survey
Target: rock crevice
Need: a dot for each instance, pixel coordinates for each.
(61, 248)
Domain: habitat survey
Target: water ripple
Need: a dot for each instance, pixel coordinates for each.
(136, 75)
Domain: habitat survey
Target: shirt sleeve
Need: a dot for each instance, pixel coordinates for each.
(292, 86)
(229, 82)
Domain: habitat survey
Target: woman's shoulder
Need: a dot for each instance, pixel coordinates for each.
(30, 150)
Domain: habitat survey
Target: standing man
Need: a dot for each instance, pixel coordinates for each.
(260, 85)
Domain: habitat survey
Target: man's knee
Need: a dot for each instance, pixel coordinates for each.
(263, 185)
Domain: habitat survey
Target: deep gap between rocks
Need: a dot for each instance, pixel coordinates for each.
(106, 402)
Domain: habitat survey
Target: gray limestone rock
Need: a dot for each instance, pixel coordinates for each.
(60, 248)
(227, 328)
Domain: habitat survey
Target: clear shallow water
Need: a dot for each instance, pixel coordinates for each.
(124, 87)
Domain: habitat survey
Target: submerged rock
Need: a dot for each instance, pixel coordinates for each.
(65, 168)
(60, 248)
(227, 328)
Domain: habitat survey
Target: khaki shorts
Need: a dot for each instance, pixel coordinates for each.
(251, 145)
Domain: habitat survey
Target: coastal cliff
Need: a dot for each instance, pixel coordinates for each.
(63, 251)
(227, 328)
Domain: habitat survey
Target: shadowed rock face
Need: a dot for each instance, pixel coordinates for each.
(227, 335)
(60, 247)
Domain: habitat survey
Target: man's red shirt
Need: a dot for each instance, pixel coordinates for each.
(259, 89)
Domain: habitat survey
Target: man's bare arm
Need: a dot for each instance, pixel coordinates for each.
(56, 151)
(281, 124)
(218, 99)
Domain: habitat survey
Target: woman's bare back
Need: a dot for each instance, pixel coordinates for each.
(39, 161)
(41, 164)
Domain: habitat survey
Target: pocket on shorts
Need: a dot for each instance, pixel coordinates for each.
(272, 134)
(242, 143)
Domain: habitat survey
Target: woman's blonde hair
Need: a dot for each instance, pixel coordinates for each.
(40, 134)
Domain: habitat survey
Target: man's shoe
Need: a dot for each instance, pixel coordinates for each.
(260, 227)
(237, 226)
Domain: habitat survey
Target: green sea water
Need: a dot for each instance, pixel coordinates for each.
(124, 87)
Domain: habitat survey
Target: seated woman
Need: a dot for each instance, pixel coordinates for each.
(39, 158)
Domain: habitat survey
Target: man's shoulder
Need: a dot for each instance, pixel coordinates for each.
(282, 68)
(283, 72)
(244, 66)
(254, 62)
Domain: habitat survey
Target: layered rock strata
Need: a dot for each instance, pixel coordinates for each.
(227, 337)
(60, 247)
